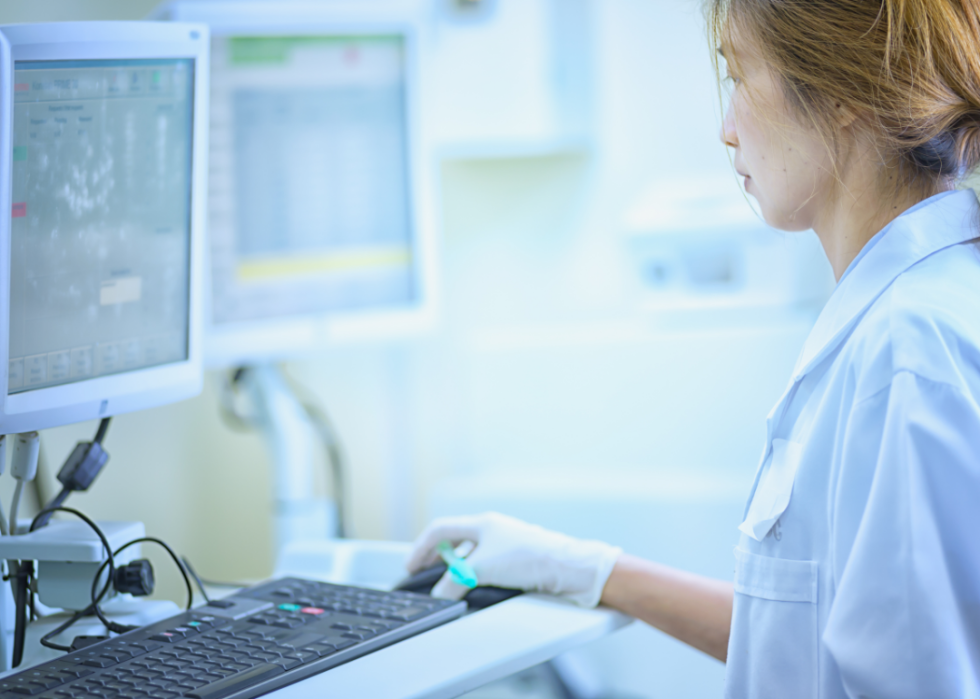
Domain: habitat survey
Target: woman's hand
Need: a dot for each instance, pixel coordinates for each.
(515, 554)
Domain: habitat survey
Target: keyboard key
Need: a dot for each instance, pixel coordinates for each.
(161, 683)
(288, 623)
(358, 635)
(206, 620)
(28, 689)
(298, 641)
(288, 663)
(145, 646)
(221, 673)
(304, 656)
(147, 675)
(191, 683)
(75, 672)
(409, 614)
(224, 688)
(321, 649)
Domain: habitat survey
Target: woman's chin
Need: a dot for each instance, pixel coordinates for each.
(790, 222)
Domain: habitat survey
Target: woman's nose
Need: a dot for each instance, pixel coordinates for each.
(728, 135)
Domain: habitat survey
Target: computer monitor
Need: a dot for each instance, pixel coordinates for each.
(102, 253)
(319, 226)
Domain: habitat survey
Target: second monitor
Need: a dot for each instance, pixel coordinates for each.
(319, 222)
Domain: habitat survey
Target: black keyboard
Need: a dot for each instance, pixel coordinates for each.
(258, 640)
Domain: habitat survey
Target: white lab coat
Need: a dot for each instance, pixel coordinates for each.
(858, 568)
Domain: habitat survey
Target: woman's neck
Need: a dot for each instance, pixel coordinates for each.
(860, 211)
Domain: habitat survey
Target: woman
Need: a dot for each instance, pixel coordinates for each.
(858, 566)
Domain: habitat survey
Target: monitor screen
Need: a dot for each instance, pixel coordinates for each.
(310, 201)
(101, 218)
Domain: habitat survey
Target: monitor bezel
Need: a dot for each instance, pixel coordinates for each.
(291, 337)
(138, 389)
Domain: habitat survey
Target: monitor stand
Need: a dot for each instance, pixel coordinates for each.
(298, 515)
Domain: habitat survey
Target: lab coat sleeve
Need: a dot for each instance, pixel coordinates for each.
(905, 621)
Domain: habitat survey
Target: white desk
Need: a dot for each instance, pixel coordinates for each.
(464, 654)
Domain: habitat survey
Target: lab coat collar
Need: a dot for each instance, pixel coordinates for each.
(939, 222)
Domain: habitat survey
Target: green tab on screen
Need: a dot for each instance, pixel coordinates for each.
(20, 154)
(250, 50)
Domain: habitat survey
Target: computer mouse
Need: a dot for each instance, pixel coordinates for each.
(477, 598)
(422, 581)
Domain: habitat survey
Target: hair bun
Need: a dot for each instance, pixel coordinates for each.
(940, 154)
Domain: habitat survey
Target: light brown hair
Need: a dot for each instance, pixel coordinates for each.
(910, 68)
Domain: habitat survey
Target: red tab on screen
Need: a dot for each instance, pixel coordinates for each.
(19, 210)
(22, 87)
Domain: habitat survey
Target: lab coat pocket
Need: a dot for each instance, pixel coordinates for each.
(774, 648)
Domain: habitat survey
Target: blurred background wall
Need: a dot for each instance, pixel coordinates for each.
(614, 325)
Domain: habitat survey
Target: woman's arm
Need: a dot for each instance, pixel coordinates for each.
(691, 608)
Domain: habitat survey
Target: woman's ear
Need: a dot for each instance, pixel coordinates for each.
(844, 115)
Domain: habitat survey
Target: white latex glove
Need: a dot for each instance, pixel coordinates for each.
(515, 554)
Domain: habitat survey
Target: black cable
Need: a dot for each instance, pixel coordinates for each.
(211, 583)
(57, 501)
(197, 578)
(90, 610)
(103, 428)
(174, 556)
(25, 571)
(71, 486)
(111, 561)
(21, 586)
(46, 639)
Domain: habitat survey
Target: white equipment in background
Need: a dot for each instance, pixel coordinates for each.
(103, 136)
(321, 218)
(705, 254)
(509, 78)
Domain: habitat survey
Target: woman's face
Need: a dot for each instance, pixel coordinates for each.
(785, 164)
